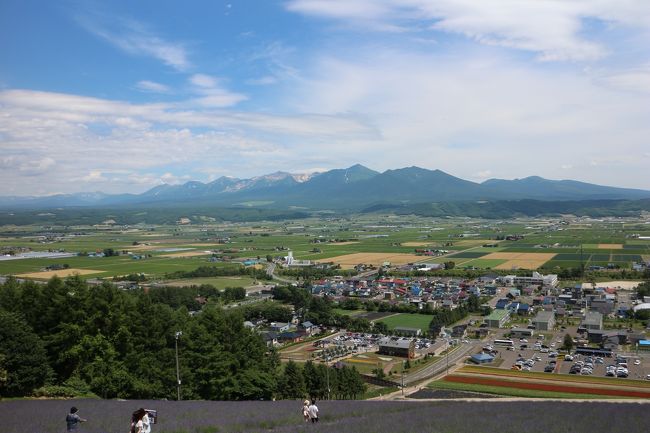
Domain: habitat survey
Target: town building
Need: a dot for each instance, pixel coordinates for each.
(394, 346)
(497, 319)
(593, 320)
(544, 321)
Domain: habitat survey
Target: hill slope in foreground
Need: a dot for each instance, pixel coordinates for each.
(109, 416)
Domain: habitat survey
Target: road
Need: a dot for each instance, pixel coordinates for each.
(441, 365)
(270, 271)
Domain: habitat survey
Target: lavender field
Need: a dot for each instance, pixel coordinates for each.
(109, 416)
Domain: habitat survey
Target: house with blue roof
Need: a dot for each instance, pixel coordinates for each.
(502, 304)
(523, 309)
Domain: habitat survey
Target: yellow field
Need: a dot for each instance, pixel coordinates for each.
(187, 254)
(377, 259)
(520, 260)
(62, 273)
(610, 246)
(415, 244)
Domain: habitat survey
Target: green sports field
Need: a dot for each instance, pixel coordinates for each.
(420, 321)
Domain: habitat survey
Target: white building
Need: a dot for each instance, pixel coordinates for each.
(537, 279)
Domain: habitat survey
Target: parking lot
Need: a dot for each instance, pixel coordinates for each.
(537, 358)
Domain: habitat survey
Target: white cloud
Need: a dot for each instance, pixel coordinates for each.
(152, 86)
(94, 176)
(468, 114)
(135, 38)
(48, 139)
(213, 93)
(634, 80)
(203, 81)
(552, 28)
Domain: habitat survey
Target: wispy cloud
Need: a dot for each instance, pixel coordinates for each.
(213, 93)
(632, 80)
(135, 38)
(553, 29)
(151, 86)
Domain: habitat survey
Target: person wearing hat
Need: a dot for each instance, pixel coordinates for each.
(73, 420)
(305, 410)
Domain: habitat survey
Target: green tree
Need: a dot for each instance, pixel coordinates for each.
(292, 382)
(25, 359)
(567, 343)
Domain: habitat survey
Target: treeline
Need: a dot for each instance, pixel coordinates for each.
(67, 338)
(220, 271)
(445, 317)
(190, 296)
(472, 303)
(60, 215)
(579, 272)
(312, 273)
(319, 381)
(515, 208)
(64, 336)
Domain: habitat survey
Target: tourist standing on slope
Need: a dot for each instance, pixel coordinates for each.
(137, 425)
(146, 422)
(73, 420)
(313, 411)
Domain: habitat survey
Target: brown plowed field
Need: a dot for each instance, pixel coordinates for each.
(61, 273)
(374, 259)
(548, 387)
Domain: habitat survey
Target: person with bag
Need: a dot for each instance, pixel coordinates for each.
(73, 420)
(137, 425)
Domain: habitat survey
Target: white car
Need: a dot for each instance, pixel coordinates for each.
(637, 362)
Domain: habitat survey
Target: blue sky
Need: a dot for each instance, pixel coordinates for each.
(120, 96)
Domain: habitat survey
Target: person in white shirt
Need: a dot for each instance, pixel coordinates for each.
(313, 411)
(146, 423)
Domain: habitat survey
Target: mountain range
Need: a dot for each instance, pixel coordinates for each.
(355, 187)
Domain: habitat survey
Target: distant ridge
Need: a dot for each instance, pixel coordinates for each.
(355, 187)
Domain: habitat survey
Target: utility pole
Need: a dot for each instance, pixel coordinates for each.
(403, 378)
(178, 373)
(448, 349)
(327, 366)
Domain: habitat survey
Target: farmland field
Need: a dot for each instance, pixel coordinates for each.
(520, 260)
(371, 239)
(350, 260)
(218, 282)
(489, 415)
(62, 273)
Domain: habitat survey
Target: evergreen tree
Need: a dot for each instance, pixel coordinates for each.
(292, 382)
(24, 357)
